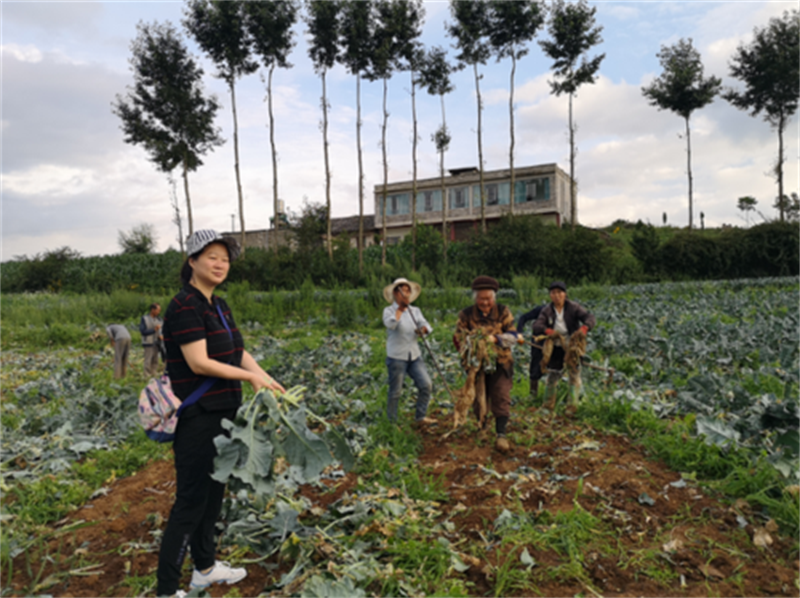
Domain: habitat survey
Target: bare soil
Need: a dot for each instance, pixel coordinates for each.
(111, 536)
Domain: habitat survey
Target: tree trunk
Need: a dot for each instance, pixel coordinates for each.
(414, 177)
(445, 234)
(188, 199)
(176, 217)
(511, 132)
(689, 170)
(779, 169)
(236, 167)
(480, 149)
(385, 170)
(360, 178)
(277, 217)
(572, 190)
(328, 245)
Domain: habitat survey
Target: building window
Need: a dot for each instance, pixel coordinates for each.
(496, 194)
(429, 201)
(458, 198)
(532, 190)
(396, 204)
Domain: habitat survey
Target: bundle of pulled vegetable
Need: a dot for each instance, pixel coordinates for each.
(575, 349)
(478, 357)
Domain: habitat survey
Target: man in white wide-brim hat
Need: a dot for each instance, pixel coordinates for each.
(404, 323)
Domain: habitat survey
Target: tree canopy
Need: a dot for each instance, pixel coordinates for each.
(513, 24)
(681, 87)
(166, 111)
(573, 32)
(470, 30)
(769, 67)
(322, 19)
(269, 26)
(219, 29)
(140, 239)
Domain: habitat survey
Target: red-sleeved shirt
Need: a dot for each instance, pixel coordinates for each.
(189, 318)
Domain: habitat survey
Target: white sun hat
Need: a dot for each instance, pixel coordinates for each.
(388, 290)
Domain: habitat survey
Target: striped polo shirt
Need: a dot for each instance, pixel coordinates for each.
(189, 318)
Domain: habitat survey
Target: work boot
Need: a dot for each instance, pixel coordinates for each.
(500, 424)
(575, 392)
(502, 444)
(550, 392)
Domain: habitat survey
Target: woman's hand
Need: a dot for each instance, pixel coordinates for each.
(273, 385)
(258, 381)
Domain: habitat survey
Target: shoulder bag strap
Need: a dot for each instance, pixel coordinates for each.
(208, 382)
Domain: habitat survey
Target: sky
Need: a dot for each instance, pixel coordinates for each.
(69, 178)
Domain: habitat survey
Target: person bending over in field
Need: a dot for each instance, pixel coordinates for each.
(404, 323)
(488, 322)
(202, 341)
(560, 320)
(121, 343)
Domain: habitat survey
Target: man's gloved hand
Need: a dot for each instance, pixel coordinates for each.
(584, 329)
(549, 331)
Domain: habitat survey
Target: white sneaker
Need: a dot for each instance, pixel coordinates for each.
(222, 572)
(180, 594)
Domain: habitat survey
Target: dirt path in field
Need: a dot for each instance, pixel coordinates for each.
(104, 547)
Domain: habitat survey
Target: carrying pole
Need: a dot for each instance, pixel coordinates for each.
(430, 352)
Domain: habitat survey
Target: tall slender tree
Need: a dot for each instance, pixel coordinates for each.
(218, 28)
(383, 63)
(573, 32)
(769, 67)
(408, 19)
(166, 111)
(513, 25)
(470, 30)
(322, 18)
(357, 24)
(682, 89)
(269, 25)
(434, 77)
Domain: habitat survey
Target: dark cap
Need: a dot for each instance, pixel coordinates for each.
(485, 282)
(557, 285)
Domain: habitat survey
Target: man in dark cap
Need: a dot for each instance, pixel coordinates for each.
(496, 321)
(564, 317)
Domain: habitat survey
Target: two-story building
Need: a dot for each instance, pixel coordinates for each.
(542, 190)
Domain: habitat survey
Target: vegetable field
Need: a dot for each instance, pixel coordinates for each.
(677, 475)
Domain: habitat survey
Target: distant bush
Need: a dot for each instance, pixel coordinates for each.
(518, 246)
(769, 249)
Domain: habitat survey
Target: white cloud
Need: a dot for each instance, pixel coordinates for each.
(46, 181)
(26, 53)
(58, 113)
